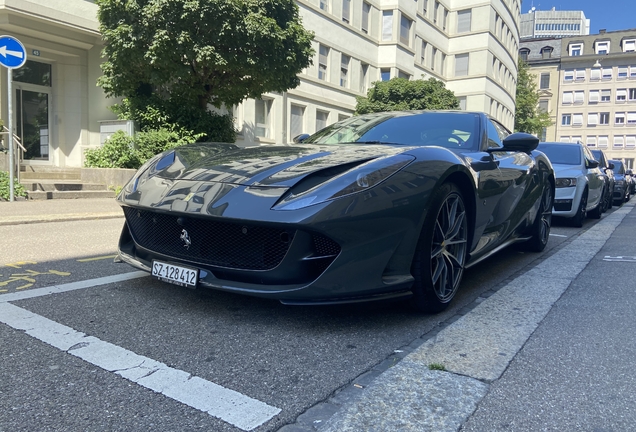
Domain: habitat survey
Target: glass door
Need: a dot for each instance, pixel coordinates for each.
(32, 122)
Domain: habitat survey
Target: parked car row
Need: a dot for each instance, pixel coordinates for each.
(587, 182)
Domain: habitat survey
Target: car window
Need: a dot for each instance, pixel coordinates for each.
(564, 154)
(598, 155)
(618, 167)
(503, 132)
(588, 154)
(445, 129)
(494, 139)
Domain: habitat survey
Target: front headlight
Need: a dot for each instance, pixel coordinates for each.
(565, 182)
(358, 179)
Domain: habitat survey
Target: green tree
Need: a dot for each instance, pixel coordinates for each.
(528, 117)
(170, 59)
(402, 94)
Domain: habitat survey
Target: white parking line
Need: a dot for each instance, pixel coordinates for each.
(557, 235)
(228, 405)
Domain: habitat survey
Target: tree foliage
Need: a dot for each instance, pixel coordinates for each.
(402, 94)
(528, 117)
(179, 56)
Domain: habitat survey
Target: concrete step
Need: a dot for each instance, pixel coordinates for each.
(49, 185)
(52, 175)
(46, 195)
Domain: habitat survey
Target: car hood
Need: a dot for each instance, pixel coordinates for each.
(272, 166)
(567, 171)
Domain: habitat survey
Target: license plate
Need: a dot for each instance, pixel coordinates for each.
(174, 274)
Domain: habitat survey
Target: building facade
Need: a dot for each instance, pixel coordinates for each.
(472, 46)
(553, 24)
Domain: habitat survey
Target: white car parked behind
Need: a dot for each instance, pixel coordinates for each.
(580, 184)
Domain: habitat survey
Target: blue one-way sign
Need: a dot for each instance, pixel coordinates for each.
(12, 52)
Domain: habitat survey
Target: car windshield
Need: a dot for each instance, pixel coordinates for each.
(563, 154)
(445, 129)
(618, 167)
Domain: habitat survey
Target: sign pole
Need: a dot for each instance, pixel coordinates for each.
(10, 121)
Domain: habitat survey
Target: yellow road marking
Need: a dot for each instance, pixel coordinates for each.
(96, 258)
(19, 264)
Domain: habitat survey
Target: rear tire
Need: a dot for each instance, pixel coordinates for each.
(542, 223)
(438, 264)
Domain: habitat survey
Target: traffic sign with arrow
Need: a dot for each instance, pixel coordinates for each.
(12, 52)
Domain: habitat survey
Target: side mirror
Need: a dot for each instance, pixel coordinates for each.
(519, 142)
(611, 166)
(300, 138)
(591, 163)
(629, 172)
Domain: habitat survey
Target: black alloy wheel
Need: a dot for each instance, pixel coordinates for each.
(543, 222)
(439, 261)
(581, 212)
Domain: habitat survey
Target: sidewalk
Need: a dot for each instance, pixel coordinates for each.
(24, 212)
(553, 349)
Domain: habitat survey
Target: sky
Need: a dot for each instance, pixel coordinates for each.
(610, 15)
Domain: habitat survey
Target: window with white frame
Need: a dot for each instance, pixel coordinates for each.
(631, 118)
(423, 52)
(321, 119)
(630, 142)
(606, 95)
(595, 74)
(566, 119)
(324, 5)
(464, 20)
(602, 47)
(364, 77)
(579, 97)
(629, 45)
(577, 119)
(568, 75)
(580, 75)
(622, 73)
(631, 94)
(545, 81)
(606, 73)
(546, 53)
(595, 96)
(619, 141)
(603, 118)
(568, 97)
(385, 74)
(366, 11)
(323, 62)
(619, 118)
(461, 65)
(543, 105)
(564, 139)
(263, 118)
(405, 30)
(576, 49)
(576, 139)
(621, 95)
(344, 70)
(346, 10)
(462, 102)
(297, 123)
(590, 141)
(603, 141)
(387, 25)
(592, 119)
(632, 72)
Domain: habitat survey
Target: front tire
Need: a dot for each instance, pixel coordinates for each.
(438, 264)
(598, 211)
(578, 219)
(542, 223)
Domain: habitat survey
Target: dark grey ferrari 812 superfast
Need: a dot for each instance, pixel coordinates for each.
(374, 207)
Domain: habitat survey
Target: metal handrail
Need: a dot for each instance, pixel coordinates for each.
(16, 140)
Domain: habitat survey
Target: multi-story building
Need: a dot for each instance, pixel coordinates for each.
(553, 23)
(543, 56)
(470, 45)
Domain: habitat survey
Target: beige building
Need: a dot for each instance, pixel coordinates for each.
(470, 45)
(598, 93)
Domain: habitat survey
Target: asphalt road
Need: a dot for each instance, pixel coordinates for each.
(287, 358)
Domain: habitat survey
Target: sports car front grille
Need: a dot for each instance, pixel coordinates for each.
(223, 244)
